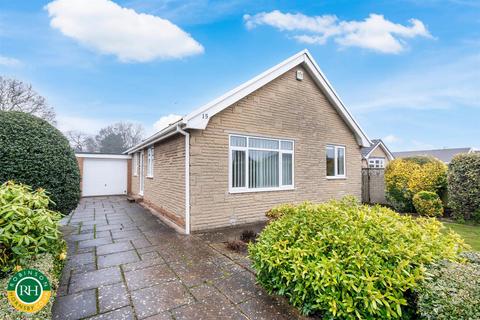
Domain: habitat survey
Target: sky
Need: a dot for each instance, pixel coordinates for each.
(409, 71)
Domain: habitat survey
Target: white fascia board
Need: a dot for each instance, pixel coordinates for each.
(385, 149)
(102, 156)
(199, 118)
(154, 138)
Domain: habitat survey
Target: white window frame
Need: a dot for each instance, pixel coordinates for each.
(372, 163)
(135, 164)
(335, 160)
(246, 149)
(150, 160)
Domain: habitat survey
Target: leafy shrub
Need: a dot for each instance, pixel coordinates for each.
(451, 290)
(428, 204)
(27, 226)
(408, 176)
(35, 153)
(344, 260)
(464, 185)
(279, 211)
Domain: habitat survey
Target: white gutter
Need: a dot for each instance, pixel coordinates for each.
(187, 178)
(161, 135)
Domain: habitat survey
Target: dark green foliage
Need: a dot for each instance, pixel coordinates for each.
(452, 290)
(343, 260)
(35, 153)
(464, 186)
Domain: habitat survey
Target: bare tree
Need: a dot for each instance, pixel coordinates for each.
(18, 96)
(119, 137)
(80, 141)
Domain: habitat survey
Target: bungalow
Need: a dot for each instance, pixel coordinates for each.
(283, 136)
(377, 155)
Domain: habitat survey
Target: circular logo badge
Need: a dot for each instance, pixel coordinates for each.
(28, 290)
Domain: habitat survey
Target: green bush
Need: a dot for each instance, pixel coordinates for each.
(451, 290)
(428, 204)
(407, 176)
(27, 226)
(280, 211)
(35, 153)
(464, 185)
(349, 261)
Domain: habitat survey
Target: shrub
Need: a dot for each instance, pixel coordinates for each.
(279, 211)
(464, 185)
(451, 290)
(35, 153)
(345, 260)
(428, 204)
(408, 176)
(27, 226)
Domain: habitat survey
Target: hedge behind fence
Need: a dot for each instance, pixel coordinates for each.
(35, 153)
(464, 186)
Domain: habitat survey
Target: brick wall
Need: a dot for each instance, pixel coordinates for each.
(284, 108)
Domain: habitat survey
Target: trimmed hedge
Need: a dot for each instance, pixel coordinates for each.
(344, 260)
(451, 290)
(407, 176)
(35, 153)
(464, 186)
(428, 204)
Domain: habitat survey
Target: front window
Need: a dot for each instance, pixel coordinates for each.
(150, 153)
(377, 163)
(335, 156)
(260, 164)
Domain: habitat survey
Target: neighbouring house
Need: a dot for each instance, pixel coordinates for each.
(446, 155)
(377, 155)
(283, 136)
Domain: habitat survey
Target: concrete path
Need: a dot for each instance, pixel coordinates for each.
(123, 263)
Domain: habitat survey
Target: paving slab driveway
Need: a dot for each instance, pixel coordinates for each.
(124, 263)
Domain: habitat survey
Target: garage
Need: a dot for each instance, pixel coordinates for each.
(103, 174)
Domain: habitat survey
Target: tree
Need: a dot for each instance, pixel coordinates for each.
(119, 137)
(18, 96)
(81, 142)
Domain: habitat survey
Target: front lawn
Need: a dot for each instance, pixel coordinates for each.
(471, 233)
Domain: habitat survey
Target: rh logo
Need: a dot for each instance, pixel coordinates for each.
(28, 290)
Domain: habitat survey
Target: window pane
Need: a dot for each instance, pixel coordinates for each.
(263, 169)
(341, 161)
(237, 141)
(287, 169)
(238, 169)
(287, 145)
(330, 161)
(263, 143)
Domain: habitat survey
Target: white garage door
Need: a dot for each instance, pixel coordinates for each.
(103, 177)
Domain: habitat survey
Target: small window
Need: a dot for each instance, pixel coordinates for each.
(377, 163)
(135, 164)
(335, 157)
(150, 153)
(260, 164)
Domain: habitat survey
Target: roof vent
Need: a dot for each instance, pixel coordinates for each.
(299, 75)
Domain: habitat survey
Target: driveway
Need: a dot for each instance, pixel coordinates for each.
(124, 263)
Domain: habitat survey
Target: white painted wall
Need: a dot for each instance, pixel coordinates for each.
(102, 176)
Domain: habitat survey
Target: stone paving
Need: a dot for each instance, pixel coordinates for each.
(124, 263)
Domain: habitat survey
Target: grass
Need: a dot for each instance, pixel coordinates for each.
(471, 233)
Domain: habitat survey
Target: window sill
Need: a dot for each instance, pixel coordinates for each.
(149, 177)
(336, 178)
(261, 190)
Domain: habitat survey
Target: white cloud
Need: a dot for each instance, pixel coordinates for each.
(164, 121)
(108, 28)
(9, 62)
(83, 124)
(374, 33)
(391, 139)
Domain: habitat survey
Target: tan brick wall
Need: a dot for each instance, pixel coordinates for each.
(284, 108)
(165, 192)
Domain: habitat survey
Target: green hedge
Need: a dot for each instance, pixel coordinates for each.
(428, 204)
(348, 261)
(451, 291)
(464, 186)
(35, 153)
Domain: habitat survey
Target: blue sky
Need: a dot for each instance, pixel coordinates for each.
(414, 83)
